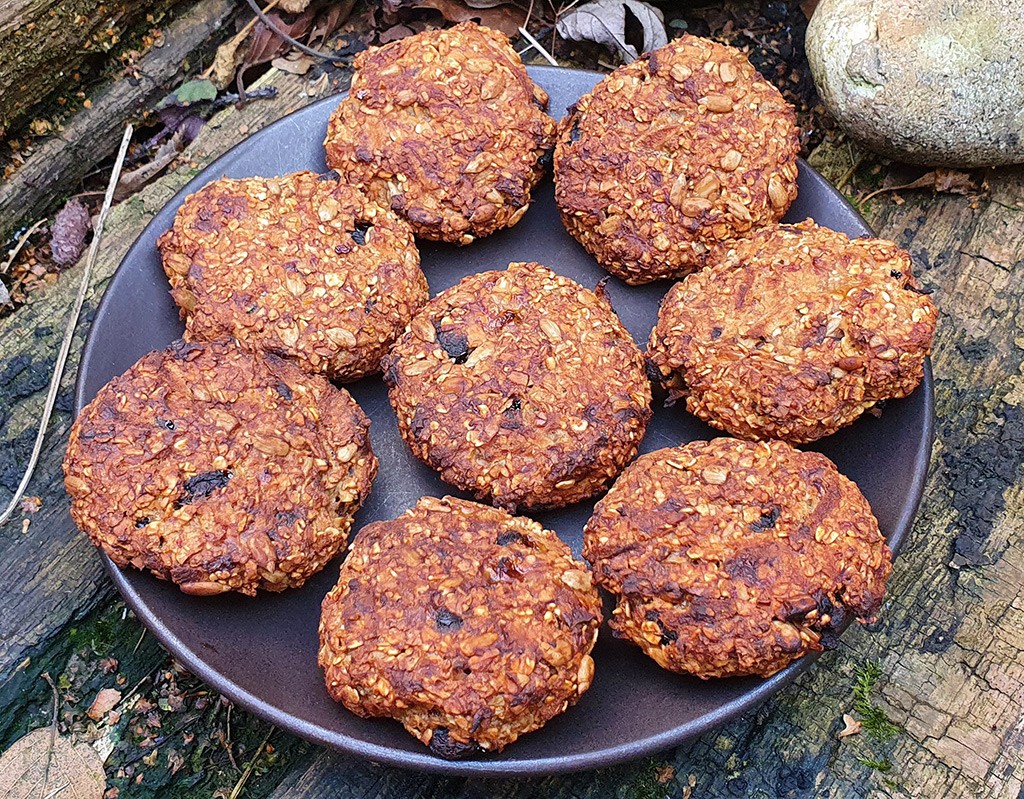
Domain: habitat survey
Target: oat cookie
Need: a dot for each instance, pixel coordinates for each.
(301, 266)
(684, 147)
(731, 558)
(520, 386)
(793, 333)
(219, 469)
(469, 626)
(446, 128)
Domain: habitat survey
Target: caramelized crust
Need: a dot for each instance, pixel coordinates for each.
(732, 558)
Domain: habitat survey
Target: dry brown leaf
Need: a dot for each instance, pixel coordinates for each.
(629, 27)
(665, 774)
(293, 6)
(105, 701)
(808, 6)
(852, 726)
(946, 181)
(330, 20)
(75, 770)
(394, 33)
(266, 44)
(133, 180)
(225, 62)
(942, 181)
(294, 65)
(502, 17)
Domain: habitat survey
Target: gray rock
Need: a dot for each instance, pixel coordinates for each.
(931, 82)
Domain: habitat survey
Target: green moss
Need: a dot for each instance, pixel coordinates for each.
(884, 766)
(874, 720)
(646, 784)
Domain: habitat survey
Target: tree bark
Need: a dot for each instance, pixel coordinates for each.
(43, 42)
(56, 166)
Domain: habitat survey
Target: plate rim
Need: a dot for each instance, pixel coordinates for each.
(492, 766)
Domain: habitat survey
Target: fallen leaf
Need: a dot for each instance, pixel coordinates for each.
(319, 86)
(628, 26)
(665, 774)
(75, 770)
(109, 665)
(31, 504)
(105, 701)
(330, 20)
(293, 65)
(175, 760)
(293, 6)
(133, 180)
(68, 232)
(394, 33)
(40, 127)
(942, 181)
(502, 16)
(808, 6)
(946, 181)
(267, 44)
(852, 726)
(194, 91)
(225, 63)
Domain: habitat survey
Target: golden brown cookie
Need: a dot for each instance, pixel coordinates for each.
(446, 128)
(520, 386)
(683, 148)
(732, 558)
(469, 626)
(301, 266)
(793, 333)
(219, 469)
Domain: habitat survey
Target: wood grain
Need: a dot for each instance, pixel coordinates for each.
(56, 166)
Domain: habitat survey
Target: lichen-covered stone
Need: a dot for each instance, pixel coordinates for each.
(929, 82)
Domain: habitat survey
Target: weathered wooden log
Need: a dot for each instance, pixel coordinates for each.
(60, 162)
(52, 574)
(43, 42)
(950, 642)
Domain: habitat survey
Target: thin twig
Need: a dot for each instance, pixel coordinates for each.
(537, 46)
(227, 737)
(53, 728)
(69, 333)
(849, 173)
(20, 245)
(292, 41)
(251, 765)
(237, 38)
(885, 189)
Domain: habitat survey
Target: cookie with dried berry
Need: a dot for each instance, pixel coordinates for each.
(303, 266)
(520, 386)
(732, 558)
(671, 154)
(219, 469)
(445, 127)
(793, 333)
(468, 625)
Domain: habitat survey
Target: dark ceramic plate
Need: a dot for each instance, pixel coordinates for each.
(261, 652)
